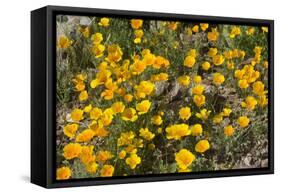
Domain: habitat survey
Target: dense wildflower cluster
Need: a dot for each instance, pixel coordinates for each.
(142, 97)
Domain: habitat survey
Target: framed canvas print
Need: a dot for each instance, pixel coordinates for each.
(125, 96)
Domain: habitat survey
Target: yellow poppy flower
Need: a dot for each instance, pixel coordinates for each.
(213, 35)
(83, 96)
(107, 171)
(189, 61)
(206, 66)
(195, 28)
(196, 130)
(184, 158)
(218, 118)
(258, 88)
(98, 50)
(197, 79)
(144, 88)
(106, 117)
(122, 154)
(202, 146)
(235, 31)
(173, 25)
(218, 79)
(199, 100)
(138, 33)
(95, 113)
(114, 53)
(128, 97)
(133, 161)
(118, 107)
(85, 31)
(226, 112)
(126, 138)
(157, 120)
(97, 38)
(192, 52)
(160, 62)
(80, 86)
(203, 114)
(107, 94)
(63, 173)
(138, 67)
(243, 121)
(185, 113)
(204, 26)
(263, 101)
(64, 42)
(70, 130)
(146, 134)
(243, 84)
(85, 136)
(218, 60)
(104, 22)
(103, 156)
(92, 167)
(136, 23)
(250, 103)
(72, 150)
(87, 108)
(129, 114)
(184, 80)
(264, 29)
(86, 155)
(177, 131)
(198, 89)
(77, 114)
(250, 31)
(143, 107)
(212, 52)
(228, 131)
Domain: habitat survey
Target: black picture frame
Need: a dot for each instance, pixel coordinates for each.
(43, 99)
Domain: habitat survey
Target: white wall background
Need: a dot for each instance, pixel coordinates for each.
(15, 94)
